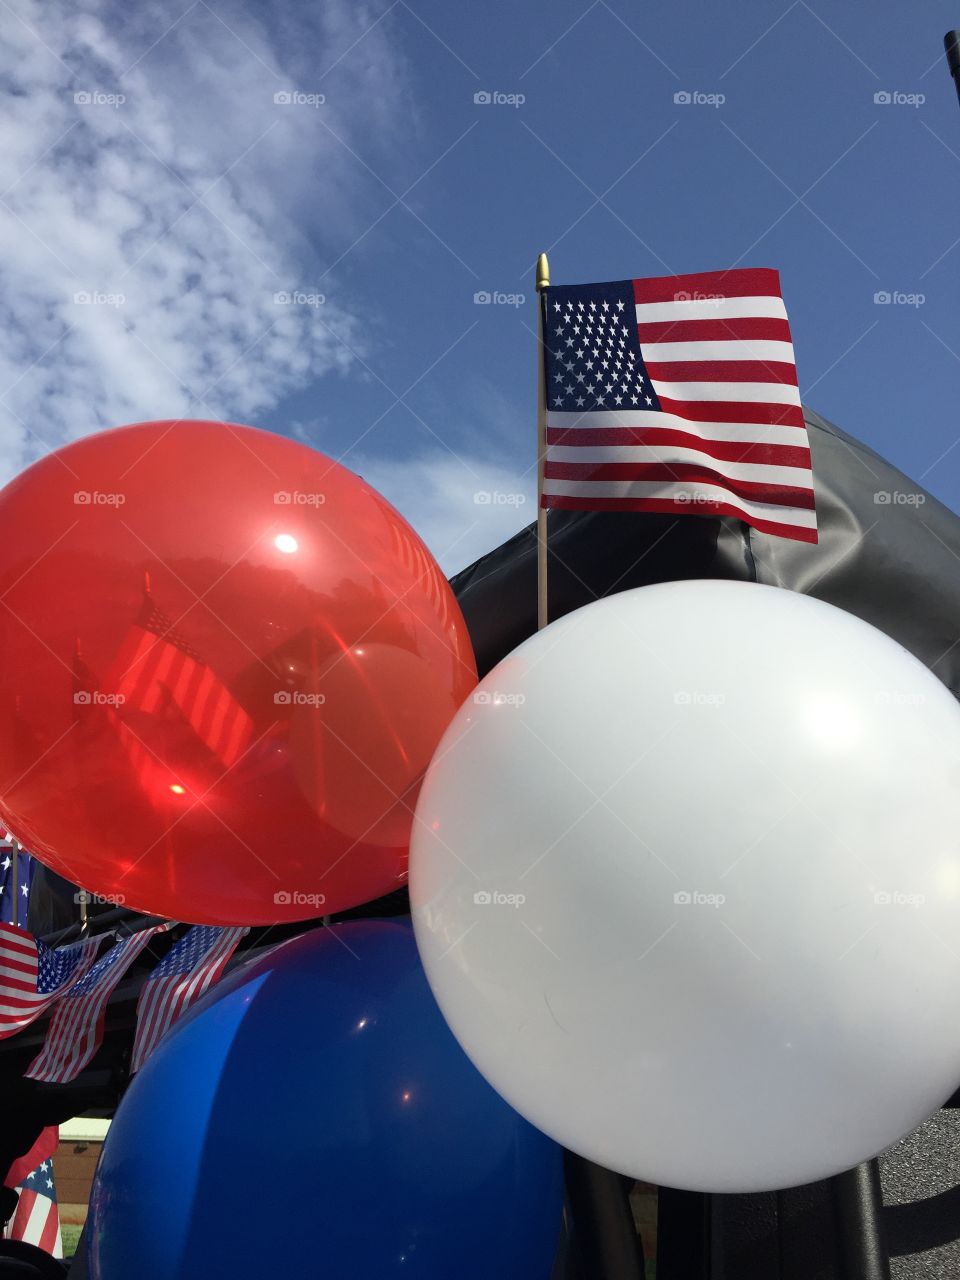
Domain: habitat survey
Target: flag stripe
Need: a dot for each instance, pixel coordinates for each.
(738, 450)
(727, 373)
(733, 394)
(681, 348)
(714, 329)
(739, 282)
(688, 494)
(567, 462)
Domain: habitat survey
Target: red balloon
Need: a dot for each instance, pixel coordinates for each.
(225, 663)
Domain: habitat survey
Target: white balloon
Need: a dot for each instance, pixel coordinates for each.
(686, 885)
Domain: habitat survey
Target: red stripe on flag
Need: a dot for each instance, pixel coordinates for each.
(736, 329)
(757, 412)
(722, 371)
(738, 282)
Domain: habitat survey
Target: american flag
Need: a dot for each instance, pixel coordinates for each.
(157, 668)
(677, 394)
(189, 968)
(36, 1219)
(16, 878)
(33, 975)
(76, 1027)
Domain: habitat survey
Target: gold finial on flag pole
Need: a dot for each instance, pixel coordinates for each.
(543, 283)
(543, 273)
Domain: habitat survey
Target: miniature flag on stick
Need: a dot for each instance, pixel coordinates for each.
(76, 1028)
(36, 1219)
(185, 973)
(676, 395)
(33, 975)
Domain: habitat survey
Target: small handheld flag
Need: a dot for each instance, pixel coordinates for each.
(186, 972)
(76, 1027)
(677, 394)
(36, 1219)
(33, 975)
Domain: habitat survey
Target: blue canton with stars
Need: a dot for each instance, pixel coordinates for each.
(592, 351)
(24, 879)
(187, 953)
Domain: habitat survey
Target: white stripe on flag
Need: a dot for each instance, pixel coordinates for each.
(711, 309)
(732, 392)
(741, 349)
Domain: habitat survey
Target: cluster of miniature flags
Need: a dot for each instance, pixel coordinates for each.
(75, 986)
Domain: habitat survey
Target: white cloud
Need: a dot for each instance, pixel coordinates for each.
(462, 507)
(180, 211)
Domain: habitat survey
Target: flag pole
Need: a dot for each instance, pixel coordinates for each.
(15, 883)
(543, 283)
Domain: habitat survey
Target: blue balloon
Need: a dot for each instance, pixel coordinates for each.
(313, 1115)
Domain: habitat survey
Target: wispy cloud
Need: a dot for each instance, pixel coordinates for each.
(154, 201)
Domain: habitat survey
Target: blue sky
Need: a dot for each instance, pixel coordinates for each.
(147, 166)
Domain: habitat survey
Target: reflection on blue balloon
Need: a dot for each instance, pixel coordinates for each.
(315, 1116)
